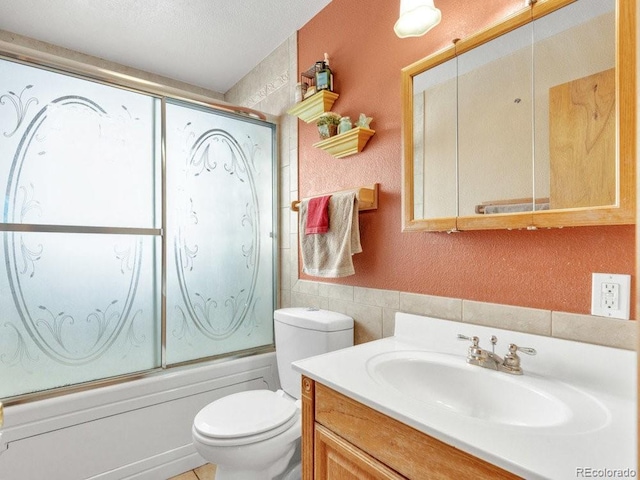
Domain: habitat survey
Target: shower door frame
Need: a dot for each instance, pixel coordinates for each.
(35, 58)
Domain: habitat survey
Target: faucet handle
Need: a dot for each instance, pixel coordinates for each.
(511, 361)
(474, 340)
(513, 348)
(474, 352)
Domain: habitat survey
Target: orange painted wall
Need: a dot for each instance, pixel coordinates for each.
(548, 269)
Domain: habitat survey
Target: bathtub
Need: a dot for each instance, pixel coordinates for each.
(139, 429)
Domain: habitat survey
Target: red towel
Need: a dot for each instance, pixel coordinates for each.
(318, 215)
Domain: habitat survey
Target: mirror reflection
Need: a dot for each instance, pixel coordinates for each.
(435, 142)
(495, 125)
(575, 92)
(525, 122)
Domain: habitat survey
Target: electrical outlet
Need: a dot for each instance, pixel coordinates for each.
(611, 295)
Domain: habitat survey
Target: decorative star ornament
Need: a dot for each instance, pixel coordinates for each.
(364, 121)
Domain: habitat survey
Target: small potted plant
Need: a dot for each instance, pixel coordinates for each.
(328, 124)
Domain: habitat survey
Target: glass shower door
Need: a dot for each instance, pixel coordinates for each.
(79, 231)
(219, 233)
(116, 260)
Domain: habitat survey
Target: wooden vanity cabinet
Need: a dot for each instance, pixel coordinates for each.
(344, 439)
(337, 458)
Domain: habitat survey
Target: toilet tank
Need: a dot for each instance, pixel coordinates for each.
(306, 332)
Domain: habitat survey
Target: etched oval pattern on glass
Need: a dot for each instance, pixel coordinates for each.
(71, 322)
(209, 248)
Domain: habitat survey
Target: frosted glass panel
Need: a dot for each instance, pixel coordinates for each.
(219, 233)
(76, 308)
(76, 152)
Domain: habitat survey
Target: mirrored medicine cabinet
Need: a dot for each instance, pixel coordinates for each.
(527, 124)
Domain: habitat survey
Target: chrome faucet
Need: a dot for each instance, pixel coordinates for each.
(485, 359)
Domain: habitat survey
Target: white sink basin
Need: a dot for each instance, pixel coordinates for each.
(446, 382)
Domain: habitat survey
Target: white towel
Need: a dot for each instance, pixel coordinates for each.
(329, 254)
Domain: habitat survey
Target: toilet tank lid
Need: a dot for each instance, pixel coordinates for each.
(313, 319)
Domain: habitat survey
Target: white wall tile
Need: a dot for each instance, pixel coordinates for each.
(293, 218)
(367, 319)
(338, 292)
(284, 236)
(305, 286)
(429, 305)
(598, 330)
(293, 258)
(285, 298)
(521, 319)
(284, 146)
(388, 322)
(293, 172)
(283, 199)
(285, 270)
(303, 300)
(380, 298)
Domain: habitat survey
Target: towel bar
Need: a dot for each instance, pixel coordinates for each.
(367, 198)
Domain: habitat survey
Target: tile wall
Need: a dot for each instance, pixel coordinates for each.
(374, 310)
(270, 88)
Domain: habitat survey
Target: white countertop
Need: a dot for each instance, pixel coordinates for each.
(606, 375)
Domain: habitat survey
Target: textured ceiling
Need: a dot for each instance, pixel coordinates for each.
(208, 43)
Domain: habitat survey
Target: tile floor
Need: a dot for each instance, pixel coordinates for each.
(205, 472)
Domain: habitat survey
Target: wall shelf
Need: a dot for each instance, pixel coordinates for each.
(309, 109)
(347, 143)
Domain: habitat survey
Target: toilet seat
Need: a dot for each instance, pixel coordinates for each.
(245, 417)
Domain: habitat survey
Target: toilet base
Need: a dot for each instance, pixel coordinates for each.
(293, 471)
(273, 472)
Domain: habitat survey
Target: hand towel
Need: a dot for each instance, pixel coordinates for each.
(329, 255)
(318, 215)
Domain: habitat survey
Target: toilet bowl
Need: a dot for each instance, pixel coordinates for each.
(253, 435)
(249, 435)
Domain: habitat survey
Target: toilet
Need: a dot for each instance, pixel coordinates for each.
(253, 435)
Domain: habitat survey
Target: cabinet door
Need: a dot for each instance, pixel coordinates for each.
(337, 459)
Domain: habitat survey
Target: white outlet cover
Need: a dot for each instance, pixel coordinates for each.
(597, 306)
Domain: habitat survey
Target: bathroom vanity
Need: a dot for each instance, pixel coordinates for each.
(410, 406)
(344, 439)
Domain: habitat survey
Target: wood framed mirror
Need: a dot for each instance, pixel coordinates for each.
(530, 123)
